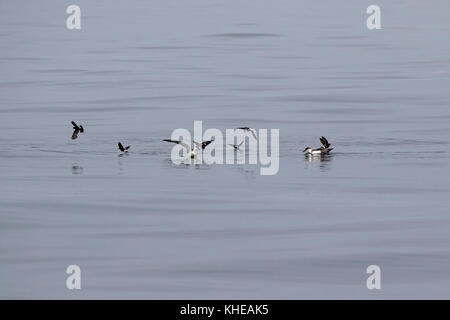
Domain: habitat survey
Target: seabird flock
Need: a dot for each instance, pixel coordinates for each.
(192, 152)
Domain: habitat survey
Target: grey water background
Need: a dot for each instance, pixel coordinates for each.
(140, 227)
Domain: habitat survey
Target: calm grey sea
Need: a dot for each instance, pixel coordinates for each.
(141, 227)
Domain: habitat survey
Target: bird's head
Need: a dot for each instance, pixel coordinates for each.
(307, 149)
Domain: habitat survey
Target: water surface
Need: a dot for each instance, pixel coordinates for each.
(140, 227)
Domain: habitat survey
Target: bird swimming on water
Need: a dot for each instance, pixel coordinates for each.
(122, 148)
(325, 149)
(76, 129)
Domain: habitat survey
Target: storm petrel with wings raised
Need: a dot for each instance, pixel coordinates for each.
(325, 149)
(122, 148)
(76, 129)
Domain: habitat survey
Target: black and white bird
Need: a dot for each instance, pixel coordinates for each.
(191, 152)
(76, 129)
(122, 148)
(325, 149)
(236, 147)
(253, 131)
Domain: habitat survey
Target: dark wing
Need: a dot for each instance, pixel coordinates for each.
(127, 148)
(178, 142)
(75, 134)
(205, 143)
(324, 142)
(121, 147)
(169, 140)
(81, 128)
(248, 129)
(75, 126)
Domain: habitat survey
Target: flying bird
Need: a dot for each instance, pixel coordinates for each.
(236, 146)
(253, 131)
(325, 149)
(122, 148)
(203, 144)
(76, 129)
(191, 152)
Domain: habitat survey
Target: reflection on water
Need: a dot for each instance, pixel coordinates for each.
(76, 169)
(321, 162)
(120, 163)
(125, 154)
(239, 156)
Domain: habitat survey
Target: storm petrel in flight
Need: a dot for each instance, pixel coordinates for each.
(236, 146)
(203, 144)
(253, 131)
(76, 129)
(191, 152)
(122, 148)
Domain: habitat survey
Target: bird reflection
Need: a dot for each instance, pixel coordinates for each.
(322, 162)
(77, 169)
